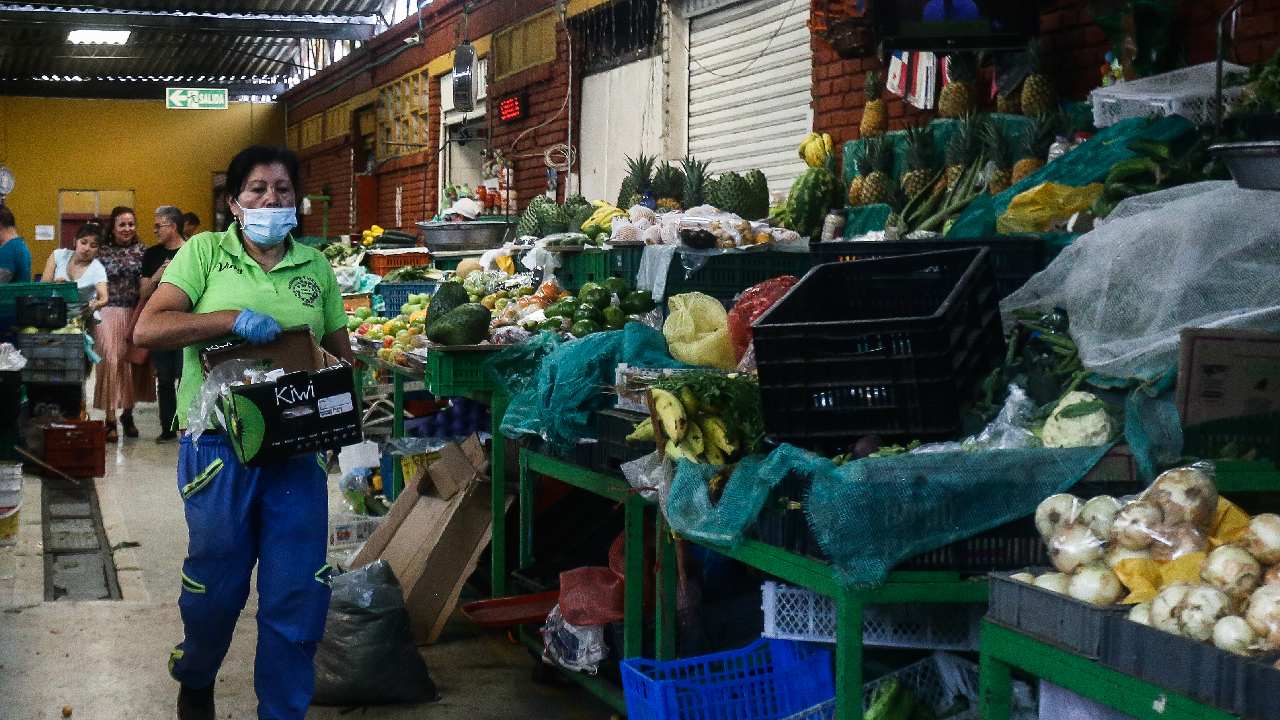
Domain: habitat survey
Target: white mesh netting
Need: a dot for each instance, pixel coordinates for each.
(1203, 255)
(1189, 92)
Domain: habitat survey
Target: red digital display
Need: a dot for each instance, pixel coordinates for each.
(511, 108)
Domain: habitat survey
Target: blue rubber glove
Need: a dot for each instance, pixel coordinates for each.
(255, 327)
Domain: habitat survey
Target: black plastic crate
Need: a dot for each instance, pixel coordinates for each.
(53, 357)
(1014, 259)
(1244, 686)
(1060, 619)
(612, 449)
(41, 312)
(726, 275)
(896, 347)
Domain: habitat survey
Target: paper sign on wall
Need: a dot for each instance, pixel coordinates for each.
(44, 232)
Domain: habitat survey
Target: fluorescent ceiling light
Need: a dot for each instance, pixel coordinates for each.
(98, 37)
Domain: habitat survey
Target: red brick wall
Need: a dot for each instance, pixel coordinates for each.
(544, 88)
(327, 168)
(1074, 50)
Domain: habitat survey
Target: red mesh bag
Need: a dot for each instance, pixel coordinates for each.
(751, 305)
(590, 596)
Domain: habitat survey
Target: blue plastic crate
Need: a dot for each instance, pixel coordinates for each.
(767, 680)
(396, 294)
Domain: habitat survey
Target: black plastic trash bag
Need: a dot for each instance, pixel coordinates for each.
(367, 656)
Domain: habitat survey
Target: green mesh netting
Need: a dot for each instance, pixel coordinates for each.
(515, 367)
(1088, 163)
(573, 380)
(871, 514)
(865, 218)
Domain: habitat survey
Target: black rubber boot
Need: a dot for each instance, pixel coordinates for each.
(196, 704)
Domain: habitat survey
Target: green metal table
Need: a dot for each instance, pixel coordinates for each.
(1004, 649)
(818, 576)
(613, 488)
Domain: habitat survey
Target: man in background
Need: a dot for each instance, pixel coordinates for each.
(167, 363)
(190, 225)
(15, 258)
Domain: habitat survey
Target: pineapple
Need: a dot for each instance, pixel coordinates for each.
(855, 190)
(668, 186)
(997, 149)
(1034, 146)
(1038, 96)
(1010, 103)
(876, 167)
(920, 160)
(964, 147)
(638, 181)
(695, 181)
(959, 98)
(875, 120)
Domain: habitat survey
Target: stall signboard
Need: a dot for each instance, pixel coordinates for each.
(195, 98)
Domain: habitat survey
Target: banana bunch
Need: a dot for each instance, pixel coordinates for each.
(368, 237)
(816, 150)
(693, 432)
(603, 217)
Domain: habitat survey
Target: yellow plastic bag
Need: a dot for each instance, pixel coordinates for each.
(1037, 209)
(1146, 578)
(697, 331)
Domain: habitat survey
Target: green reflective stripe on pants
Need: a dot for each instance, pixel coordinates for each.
(323, 575)
(191, 585)
(203, 479)
(174, 657)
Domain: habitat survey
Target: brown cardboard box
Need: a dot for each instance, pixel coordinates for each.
(477, 453)
(1227, 374)
(449, 474)
(1116, 467)
(378, 541)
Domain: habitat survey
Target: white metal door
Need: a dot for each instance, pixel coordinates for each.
(621, 117)
(750, 88)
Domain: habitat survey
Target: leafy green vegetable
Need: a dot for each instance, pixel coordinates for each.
(734, 397)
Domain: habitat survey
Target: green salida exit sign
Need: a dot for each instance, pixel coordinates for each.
(195, 98)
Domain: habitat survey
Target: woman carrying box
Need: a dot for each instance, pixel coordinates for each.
(249, 281)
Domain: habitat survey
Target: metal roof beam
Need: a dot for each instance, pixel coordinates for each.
(327, 28)
(126, 89)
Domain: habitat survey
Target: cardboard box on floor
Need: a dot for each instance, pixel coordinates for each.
(433, 544)
(1225, 374)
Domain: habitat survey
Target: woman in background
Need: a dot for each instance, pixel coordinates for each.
(120, 383)
(80, 265)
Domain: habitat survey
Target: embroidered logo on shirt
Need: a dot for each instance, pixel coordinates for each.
(306, 290)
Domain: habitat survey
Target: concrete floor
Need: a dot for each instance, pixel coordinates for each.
(107, 660)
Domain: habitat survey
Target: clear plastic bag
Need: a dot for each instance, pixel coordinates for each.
(205, 413)
(577, 648)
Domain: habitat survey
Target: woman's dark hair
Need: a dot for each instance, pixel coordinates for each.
(117, 211)
(90, 229)
(251, 157)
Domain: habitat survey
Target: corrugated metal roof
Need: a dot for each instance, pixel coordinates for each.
(34, 47)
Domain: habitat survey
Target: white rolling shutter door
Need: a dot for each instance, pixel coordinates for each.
(748, 110)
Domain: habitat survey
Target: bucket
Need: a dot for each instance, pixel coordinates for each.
(9, 525)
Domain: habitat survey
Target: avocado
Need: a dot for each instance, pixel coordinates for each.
(637, 302)
(589, 313)
(614, 318)
(552, 324)
(449, 296)
(464, 325)
(616, 286)
(582, 328)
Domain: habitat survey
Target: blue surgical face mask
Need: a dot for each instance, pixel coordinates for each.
(269, 227)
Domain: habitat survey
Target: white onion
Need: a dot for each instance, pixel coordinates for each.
(1099, 514)
(1134, 524)
(1074, 546)
(1054, 512)
(1272, 576)
(1054, 582)
(1117, 555)
(1023, 577)
(1201, 609)
(1096, 584)
(1262, 539)
(1141, 613)
(1233, 570)
(1165, 608)
(1233, 634)
(1185, 495)
(1174, 541)
(1263, 615)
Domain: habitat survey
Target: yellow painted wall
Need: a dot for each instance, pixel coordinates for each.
(168, 157)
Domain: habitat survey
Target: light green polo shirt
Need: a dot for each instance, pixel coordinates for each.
(216, 273)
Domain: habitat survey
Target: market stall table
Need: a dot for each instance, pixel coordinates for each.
(1004, 649)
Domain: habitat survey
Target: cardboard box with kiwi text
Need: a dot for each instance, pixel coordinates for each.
(311, 406)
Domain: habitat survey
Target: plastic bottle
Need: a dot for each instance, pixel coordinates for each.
(1061, 146)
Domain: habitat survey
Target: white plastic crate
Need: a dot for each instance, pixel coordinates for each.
(1189, 92)
(941, 681)
(348, 530)
(792, 613)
